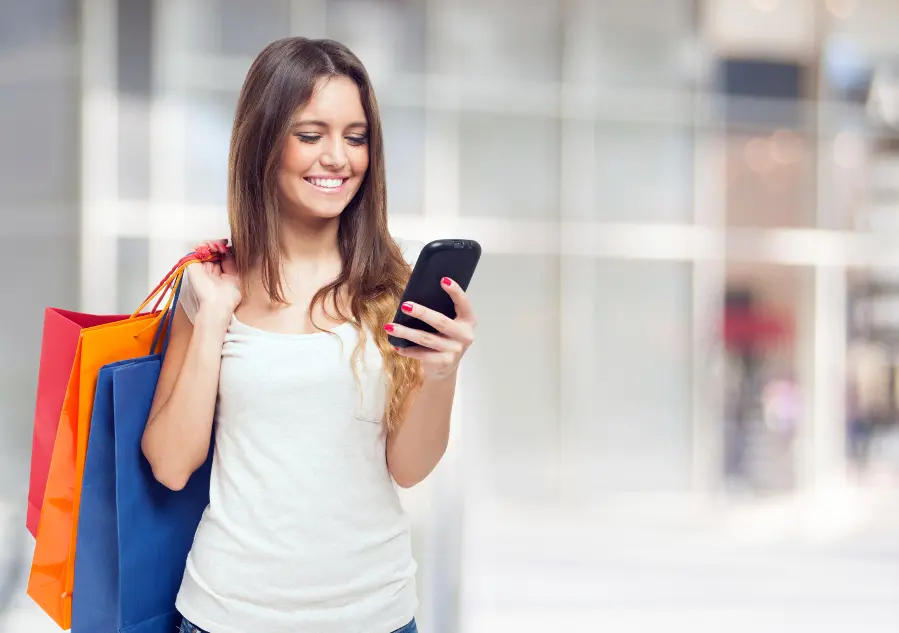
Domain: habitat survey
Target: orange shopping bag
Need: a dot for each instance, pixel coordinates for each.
(52, 571)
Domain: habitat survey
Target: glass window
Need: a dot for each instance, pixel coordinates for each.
(38, 24)
(248, 27)
(134, 64)
(633, 51)
(500, 39)
(509, 166)
(133, 287)
(209, 117)
(629, 425)
(404, 135)
(38, 151)
(134, 148)
(511, 379)
(387, 35)
(768, 178)
(643, 172)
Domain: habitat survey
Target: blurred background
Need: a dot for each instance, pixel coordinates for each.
(682, 410)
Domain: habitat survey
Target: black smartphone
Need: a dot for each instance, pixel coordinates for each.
(453, 258)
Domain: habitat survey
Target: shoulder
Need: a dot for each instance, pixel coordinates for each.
(410, 249)
(188, 298)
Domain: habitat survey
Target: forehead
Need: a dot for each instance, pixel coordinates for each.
(335, 101)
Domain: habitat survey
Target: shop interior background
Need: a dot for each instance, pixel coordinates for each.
(682, 410)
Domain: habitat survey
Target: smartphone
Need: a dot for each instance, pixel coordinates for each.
(453, 258)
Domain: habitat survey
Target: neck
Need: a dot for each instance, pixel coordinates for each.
(305, 242)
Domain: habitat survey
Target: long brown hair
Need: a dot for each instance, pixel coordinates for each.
(280, 81)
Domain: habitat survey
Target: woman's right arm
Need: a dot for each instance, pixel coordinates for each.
(179, 430)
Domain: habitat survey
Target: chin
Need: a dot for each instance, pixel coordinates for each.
(325, 208)
(314, 209)
(326, 214)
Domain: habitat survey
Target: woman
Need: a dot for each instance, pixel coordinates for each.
(284, 345)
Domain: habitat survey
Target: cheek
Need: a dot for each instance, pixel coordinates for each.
(359, 162)
(297, 158)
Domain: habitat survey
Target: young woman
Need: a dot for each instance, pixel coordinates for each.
(283, 345)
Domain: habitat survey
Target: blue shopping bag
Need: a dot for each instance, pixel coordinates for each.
(94, 603)
(134, 534)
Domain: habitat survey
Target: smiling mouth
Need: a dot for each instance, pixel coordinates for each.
(328, 185)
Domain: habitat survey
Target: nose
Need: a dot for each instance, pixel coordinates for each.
(334, 155)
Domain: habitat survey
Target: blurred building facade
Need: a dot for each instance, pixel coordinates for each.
(688, 211)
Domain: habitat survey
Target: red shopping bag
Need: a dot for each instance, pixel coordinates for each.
(60, 338)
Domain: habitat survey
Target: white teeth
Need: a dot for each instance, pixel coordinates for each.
(327, 183)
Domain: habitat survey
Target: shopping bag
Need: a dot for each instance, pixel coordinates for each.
(58, 343)
(52, 570)
(156, 526)
(95, 592)
(134, 534)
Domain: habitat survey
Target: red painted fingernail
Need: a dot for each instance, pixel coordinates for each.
(389, 327)
(407, 307)
(396, 348)
(446, 281)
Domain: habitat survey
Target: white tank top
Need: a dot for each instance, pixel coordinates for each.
(304, 532)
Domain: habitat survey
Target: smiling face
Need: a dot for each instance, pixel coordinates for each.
(325, 157)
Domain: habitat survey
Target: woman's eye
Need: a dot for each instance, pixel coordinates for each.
(309, 138)
(357, 140)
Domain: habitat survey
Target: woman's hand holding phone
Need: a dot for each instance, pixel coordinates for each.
(439, 353)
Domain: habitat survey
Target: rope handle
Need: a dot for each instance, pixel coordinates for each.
(201, 255)
(172, 280)
(168, 318)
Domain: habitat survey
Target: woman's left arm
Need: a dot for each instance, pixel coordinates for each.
(417, 446)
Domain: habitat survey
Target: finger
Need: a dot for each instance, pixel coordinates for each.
(425, 339)
(229, 264)
(209, 245)
(211, 268)
(418, 353)
(204, 250)
(464, 311)
(437, 320)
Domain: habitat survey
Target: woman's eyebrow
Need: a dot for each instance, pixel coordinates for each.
(316, 123)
